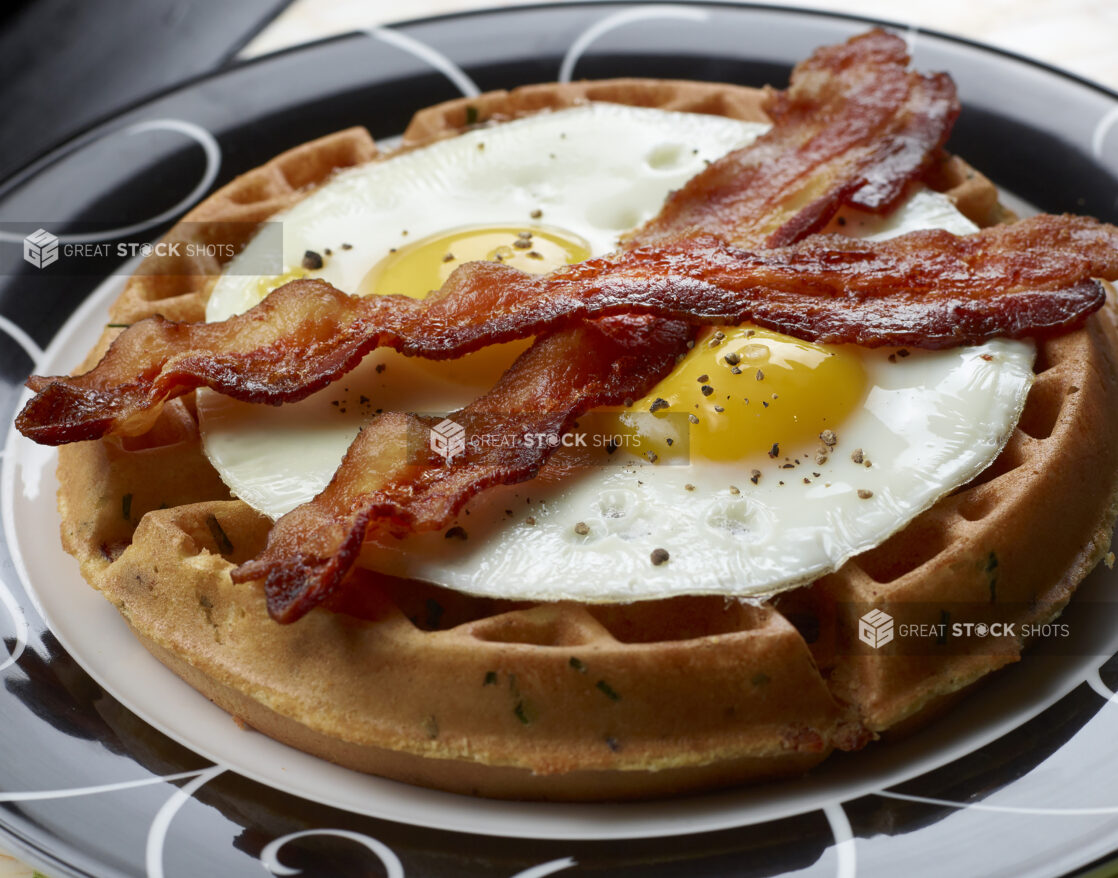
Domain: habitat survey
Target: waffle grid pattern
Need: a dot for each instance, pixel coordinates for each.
(563, 700)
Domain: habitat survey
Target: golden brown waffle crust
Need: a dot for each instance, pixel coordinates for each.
(565, 701)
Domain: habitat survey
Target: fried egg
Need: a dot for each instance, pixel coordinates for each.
(760, 463)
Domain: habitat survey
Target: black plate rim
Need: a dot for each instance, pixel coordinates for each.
(38, 854)
(67, 145)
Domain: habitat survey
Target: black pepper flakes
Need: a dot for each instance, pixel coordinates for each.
(659, 556)
(775, 450)
(536, 214)
(224, 545)
(856, 455)
(658, 404)
(692, 419)
(864, 494)
(523, 713)
(312, 261)
(828, 438)
(760, 375)
(582, 528)
(703, 379)
(755, 476)
(733, 358)
(456, 533)
(381, 367)
(707, 390)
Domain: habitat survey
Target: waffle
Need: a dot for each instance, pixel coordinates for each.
(565, 701)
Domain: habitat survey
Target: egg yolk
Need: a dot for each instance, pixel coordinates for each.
(743, 392)
(267, 283)
(422, 267)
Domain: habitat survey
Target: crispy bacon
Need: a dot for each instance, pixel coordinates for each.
(831, 88)
(925, 289)
(393, 483)
(889, 124)
(854, 126)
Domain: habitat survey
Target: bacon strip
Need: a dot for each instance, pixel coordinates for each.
(832, 88)
(926, 289)
(889, 123)
(393, 483)
(855, 126)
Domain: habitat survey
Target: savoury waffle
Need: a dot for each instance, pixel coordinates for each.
(569, 701)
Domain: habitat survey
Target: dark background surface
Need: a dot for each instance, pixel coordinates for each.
(65, 64)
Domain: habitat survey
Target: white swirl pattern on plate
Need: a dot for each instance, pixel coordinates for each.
(41, 795)
(429, 55)
(1098, 138)
(1094, 680)
(846, 849)
(19, 625)
(157, 834)
(269, 857)
(393, 868)
(1001, 809)
(21, 338)
(200, 135)
(620, 19)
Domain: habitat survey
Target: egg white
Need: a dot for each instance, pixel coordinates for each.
(931, 420)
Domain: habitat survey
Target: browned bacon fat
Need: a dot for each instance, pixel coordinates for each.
(925, 289)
